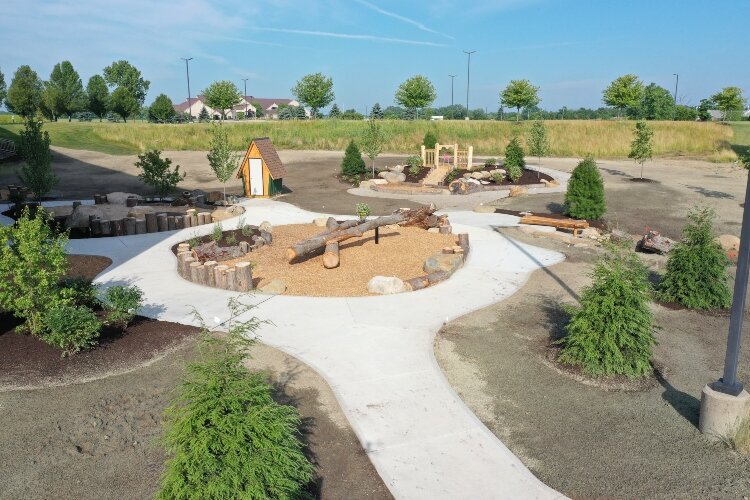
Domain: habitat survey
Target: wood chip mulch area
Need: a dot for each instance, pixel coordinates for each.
(401, 253)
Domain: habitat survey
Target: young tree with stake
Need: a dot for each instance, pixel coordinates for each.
(222, 159)
(641, 149)
(373, 139)
(538, 142)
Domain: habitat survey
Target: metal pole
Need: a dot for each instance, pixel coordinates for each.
(244, 96)
(187, 72)
(468, 78)
(674, 110)
(728, 384)
(452, 77)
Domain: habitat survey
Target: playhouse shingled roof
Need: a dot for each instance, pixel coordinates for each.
(271, 157)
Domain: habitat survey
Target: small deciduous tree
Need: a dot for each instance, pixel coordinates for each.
(314, 90)
(641, 149)
(352, 165)
(25, 92)
(123, 103)
(611, 333)
(520, 94)
(161, 109)
(537, 141)
(696, 275)
(624, 92)
(514, 161)
(158, 173)
(415, 93)
(123, 74)
(657, 103)
(221, 157)
(373, 139)
(584, 198)
(221, 96)
(97, 96)
(36, 172)
(728, 99)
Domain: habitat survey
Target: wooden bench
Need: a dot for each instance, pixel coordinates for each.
(538, 220)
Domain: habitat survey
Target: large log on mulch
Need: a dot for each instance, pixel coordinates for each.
(402, 217)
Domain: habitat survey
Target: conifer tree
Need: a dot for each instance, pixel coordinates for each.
(514, 162)
(36, 172)
(584, 198)
(377, 112)
(335, 111)
(353, 165)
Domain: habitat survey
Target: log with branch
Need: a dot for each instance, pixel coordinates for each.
(420, 217)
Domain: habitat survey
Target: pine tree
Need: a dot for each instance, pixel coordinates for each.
(584, 198)
(377, 112)
(696, 275)
(430, 139)
(335, 111)
(301, 115)
(611, 333)
(514, 162)
(203, 115)
(36, 172)
(353, 165)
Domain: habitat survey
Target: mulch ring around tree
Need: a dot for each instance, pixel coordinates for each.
(27, 362)
(527, 177)
(600, 224)
(643, 179)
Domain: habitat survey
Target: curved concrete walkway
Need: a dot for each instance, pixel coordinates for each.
(376, 353)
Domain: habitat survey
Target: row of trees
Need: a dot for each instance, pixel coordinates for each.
(63, 94)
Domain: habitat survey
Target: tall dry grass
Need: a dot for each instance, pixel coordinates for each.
(574, 138)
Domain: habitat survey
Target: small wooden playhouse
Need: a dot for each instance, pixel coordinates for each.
(261, 170)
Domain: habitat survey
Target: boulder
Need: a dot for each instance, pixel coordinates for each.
(472, 181)
(393, 177)
(552, 183)
(366, 184)
(591, 233)
(385, 285)
(266, 226)
(397, 168)
(442, 262)
(229, 212)
(485, 174)
(483, 183)
(498, 171)
(119, 198)
(619, 236)
(379, 182)
(274, 287)
(433, 230)
(517, 191)
(728, 242)
(654, 242)
(476, 175)
(214, 196)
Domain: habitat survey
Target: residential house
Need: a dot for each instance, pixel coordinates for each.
(246, 107)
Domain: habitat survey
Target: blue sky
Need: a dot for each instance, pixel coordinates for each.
(570, 49)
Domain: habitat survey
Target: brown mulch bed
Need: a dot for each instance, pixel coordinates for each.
(528, 177)
(600, 224)
(418, 177)
(87, 266)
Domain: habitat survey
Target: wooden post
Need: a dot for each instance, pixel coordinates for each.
(179, 222)
(140, 226)
(99, 199)
(423, 154)
(130, 226)
(195, 272)
(181, 256)
(377, 235)
(118, 227)
(194, 220)
(444, 229)
(469, 157)
(210, 276)
(96, 226)
(171, 223)
(106, 228)
(220, 276)
(187, 221)
(151, 225)
(331, 256)
(231, 275)
(186, 261)
(183, 247)
(161, 222)
(463, 241)
(243, 277)
(131, 201)
(436, 160)
(207, 217)
(455, 156)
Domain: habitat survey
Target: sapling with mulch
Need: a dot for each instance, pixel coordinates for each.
(514, 161)
(584, 198)
(696, 275)
(611, 332)
(225, 436)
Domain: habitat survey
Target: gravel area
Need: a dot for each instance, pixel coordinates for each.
(401, 253)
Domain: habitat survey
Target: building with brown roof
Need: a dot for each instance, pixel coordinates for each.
(248, 107)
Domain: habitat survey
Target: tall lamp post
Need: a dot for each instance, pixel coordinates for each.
(187, 72)
(468, 78)
(676, 82)
(452, 77)
(244, 96)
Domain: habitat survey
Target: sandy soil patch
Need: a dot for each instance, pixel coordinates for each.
(401, 253)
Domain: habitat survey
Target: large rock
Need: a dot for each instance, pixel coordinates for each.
(591, 233)
(654, 242)
(516, 191)
(225, 213)
(728, 242)
(214, 196)
(397, 168)
(119, 198)
(366, 184)
(274, 287)
(442, 262)
(266, 226)
(385, 285)
(393, 177)
(379, 182)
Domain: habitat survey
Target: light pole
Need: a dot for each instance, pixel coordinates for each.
(452, 77)
(468, 77)
(187, 72)
(244, 96)
(676, 82)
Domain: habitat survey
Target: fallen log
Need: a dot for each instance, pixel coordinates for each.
(331, 256)
(402, 217)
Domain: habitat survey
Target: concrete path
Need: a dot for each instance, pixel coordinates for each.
(376, 353)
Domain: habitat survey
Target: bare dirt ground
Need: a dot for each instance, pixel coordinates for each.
(583, 440)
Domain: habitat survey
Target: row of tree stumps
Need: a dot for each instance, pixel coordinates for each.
(151, 223)
(237, 278)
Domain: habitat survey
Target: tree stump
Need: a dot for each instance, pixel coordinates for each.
(194, 220)
(179, 222)
(243, 277)
(140, 226)
(161, 222)
(106, 227)
(171, 224)
(130, 225)
(186, 261)
(201, 219)
(96, 226)
(183, 247)
(195, 272)
(220, 276)
(151, 225)
(187, 221)
(331, 257)
(210, 276)
(132, 201)
(231, 274)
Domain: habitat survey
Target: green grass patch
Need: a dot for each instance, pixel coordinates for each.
(741, 142)
(603, 139)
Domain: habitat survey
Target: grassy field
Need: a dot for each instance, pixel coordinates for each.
(603, 139)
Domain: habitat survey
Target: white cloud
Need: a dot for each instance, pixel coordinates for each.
(404, 19)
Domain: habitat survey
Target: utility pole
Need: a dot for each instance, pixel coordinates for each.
(244, 96)
(468, 78)
(187, 72)
(676, 82)
(452, 77)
